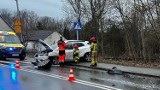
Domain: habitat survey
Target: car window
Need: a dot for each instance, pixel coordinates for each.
(9, 39)
(54, 46)
(79, 44)
(69, 45)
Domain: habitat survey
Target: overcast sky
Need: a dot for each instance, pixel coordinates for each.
(51, 8)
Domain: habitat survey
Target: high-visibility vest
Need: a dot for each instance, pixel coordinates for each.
(76, 54)
(93, 47)
(61, 45)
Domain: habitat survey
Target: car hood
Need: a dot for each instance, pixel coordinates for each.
(48, 47)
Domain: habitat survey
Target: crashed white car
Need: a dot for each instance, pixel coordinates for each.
(49, 54)
(83, 46)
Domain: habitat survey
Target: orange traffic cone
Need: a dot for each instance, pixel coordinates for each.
(17, 64)
(71, 76)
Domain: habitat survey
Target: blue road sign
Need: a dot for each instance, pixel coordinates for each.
(77, 26)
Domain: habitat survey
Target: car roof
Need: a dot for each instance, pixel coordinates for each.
(75, 41)
(78, 41)
(7, 32)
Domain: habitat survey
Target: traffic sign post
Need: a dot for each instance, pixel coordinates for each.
(77, 27)
(18, 26)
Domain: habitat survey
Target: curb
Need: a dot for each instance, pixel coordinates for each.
(125, 72)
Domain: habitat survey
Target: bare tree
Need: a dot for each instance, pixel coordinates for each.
(74, 8)
(95, 11)
(29, 20)
(7, 15)
(125, 13)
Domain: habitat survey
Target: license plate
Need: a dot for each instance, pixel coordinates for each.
(15, 54)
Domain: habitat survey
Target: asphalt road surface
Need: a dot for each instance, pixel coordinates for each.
(29, 78)
(33, 80)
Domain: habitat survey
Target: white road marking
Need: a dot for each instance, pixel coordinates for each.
(77, 81)
(6, 62)
(27, 62)
(66, 78)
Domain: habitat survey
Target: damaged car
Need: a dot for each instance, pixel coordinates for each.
(49, 54)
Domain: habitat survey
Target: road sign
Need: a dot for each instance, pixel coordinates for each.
(77, 26)
(17, 22)
(18, 26)
(18, 29)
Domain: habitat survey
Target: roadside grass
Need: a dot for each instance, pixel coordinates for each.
(140, 63)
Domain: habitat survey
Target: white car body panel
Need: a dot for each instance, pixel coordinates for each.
(41, 57)
(69, 52)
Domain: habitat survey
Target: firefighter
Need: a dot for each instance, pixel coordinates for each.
(62, 47)
(93, 51)
(76, 54)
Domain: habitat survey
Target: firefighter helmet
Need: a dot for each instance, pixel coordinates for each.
(93, 39)
(75, 46)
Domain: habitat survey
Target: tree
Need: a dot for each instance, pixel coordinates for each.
(8, 16)
(75, 8)
(66, 33)
(115, 39)
(29, 21)
(40, 26)
(95, 11)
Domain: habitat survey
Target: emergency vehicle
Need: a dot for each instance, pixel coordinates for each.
(10, 46)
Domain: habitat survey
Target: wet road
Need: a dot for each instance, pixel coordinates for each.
(56, 79)
(125, 82)
(30, 80)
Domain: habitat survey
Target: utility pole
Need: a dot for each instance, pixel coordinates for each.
(19, 18)
(18, 12)
(78, 15)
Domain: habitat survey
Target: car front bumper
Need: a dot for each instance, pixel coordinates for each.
(17, 53)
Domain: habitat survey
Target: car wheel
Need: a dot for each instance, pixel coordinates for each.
(45, 64)
(55, 61)
(87, 57)
(3, 58)
(22, 58)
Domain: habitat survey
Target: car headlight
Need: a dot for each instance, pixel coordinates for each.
(2, 46)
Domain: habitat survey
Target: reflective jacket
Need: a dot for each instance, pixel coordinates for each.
(93, 47)
(61, 45)
(76, 54)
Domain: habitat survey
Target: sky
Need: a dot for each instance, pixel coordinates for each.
(51, 8)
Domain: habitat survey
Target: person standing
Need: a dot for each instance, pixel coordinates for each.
(93, 51)
(62, 47)
(76, 54)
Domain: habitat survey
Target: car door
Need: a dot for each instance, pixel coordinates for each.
(81, 48)
(69, 52)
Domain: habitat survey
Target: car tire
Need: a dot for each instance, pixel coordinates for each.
(22, 58)
(55, 61)
(45, 65)
(3, 58)
(87, 57)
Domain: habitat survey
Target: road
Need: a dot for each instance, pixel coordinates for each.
(30, 78)
(35, 80)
